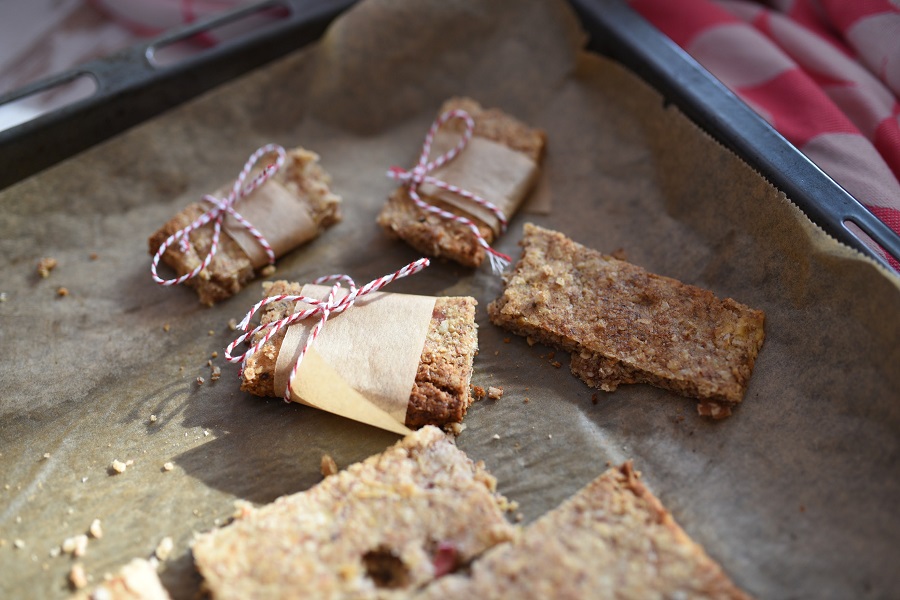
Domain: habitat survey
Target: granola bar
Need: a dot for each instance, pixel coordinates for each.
(623, 324)
(440, 394)
(232, 268)
(379, 529)
(613, 539)
(438, 237)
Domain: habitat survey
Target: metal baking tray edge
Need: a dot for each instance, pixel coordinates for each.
(130, 89)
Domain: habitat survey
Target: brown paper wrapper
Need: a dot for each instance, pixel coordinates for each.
(485, 168)
(275, 212)
(373, 348)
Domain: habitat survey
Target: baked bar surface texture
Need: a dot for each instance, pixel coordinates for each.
(378, 529)
(613, 539)
(441, 392)
(231, 268)
(439, 237)
(623, 324)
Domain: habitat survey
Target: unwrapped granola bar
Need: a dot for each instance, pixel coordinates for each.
(612, 539)
(379, 529)
(623, 324)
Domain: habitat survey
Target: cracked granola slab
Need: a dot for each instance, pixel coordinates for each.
(623, 324)
(232, 268)
(438, 237)
(378, 529)
(612, 539)
(441, 392)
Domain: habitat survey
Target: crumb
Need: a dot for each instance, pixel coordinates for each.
(118, 466)
(46, 455)
(211, 332)
(496, 353)
(168, 466)
(205, 432)
(267, 271)
(549, 436)
(96, 530)
(167, 327)
(478, 392)
(200, 381)
(456, 428)
(76, 546)
(215, 354)
(328, 466)
(77, 577)
(2, 296)
(496, 436)
(153, 418)
(45, 265)
(550, 355)
(215, 374)
(93, 256)
(232, 324)
(494, 393)
(620, 254)
(62, 292)
(506, 340)
(556, 363)
(19, 544)
(526, 400)
(209, 363)
(129, 462)
(519, 517)
(55, 551)
(164, 548)
(594, 398)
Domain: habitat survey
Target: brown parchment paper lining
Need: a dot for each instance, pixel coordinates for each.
(485, 168)
(373, 347)
(795, 494)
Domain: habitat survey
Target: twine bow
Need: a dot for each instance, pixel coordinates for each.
(420, 174)
(221, 209)
(321, 308)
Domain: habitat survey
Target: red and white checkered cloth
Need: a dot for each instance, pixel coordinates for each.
(824, 73)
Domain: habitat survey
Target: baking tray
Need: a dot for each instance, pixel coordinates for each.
(794, 494)
(131, 89)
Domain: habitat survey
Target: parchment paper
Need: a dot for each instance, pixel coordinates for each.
(795, 494)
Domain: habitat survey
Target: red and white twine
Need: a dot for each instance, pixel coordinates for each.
(420, 174)
(321, 308)
(221, 209)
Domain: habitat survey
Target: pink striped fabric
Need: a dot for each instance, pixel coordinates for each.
(824, 73)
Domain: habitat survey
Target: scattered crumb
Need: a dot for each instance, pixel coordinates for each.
(2, 296)
(494, 393)
(205, 432)
(129, 462)
(526, 400)
(267, 271)
(46, 455)
(328, 466)
(496, 436)
(496, 353)
(211, 332)
(551, 355)
(215, 354)
(93, 256)
(519, 517)
(232, 324)
(55, 551)
(168, 466)
(96, 530)
(549, 436)
(531, 341)
(45, 265)
(167, 327)
(215, 374)
(19, 544)
(153, 418)
(118, 466)
(84, 480)
(456, 428)
(76, 546)
(164, 548)
(209, 363)
(506, 340)
(62, 292)
(478, 392)
(556, 363)
(77, 577)
(620, 254)
(200, 381)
